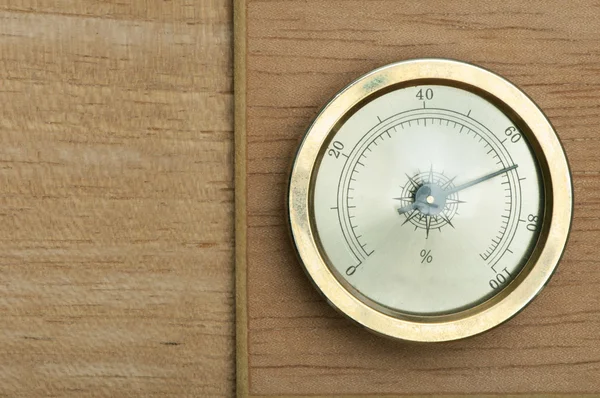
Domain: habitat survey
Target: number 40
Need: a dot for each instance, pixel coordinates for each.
(427, 94)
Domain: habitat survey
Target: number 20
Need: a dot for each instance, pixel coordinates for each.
(336, 150)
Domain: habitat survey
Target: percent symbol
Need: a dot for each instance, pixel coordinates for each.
(426, 256)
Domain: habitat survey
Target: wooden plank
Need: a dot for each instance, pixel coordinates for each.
(240, 198)
(300, 53)
(116, 198)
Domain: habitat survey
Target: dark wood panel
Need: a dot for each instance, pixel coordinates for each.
(300, 53)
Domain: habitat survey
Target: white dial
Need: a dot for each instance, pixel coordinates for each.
(427, 200)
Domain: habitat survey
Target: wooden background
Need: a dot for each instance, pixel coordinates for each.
(301, 52)
(116, 191)
(116, 198)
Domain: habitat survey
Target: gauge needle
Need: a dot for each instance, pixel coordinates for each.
(480, 179)
(444, 194)
(407, 208)
(413, 206)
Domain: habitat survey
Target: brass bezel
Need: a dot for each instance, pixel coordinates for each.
(558, 203)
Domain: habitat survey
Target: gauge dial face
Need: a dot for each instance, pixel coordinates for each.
(427, 200)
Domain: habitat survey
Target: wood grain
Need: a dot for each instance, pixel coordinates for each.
(116, 198)
(299, 53)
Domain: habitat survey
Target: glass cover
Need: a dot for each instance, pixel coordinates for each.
(428, 200)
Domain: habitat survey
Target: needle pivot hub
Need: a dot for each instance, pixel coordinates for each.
(430, 199)
(426, 202)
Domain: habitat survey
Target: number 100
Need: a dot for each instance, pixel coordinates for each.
(500, 279)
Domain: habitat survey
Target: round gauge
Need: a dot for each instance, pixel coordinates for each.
(430, 200)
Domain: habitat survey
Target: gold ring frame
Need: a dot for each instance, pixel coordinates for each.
(557, 189)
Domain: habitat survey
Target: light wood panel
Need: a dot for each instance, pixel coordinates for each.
(116, 198)
(299, 53)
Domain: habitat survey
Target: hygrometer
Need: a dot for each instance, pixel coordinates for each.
(430, 200)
